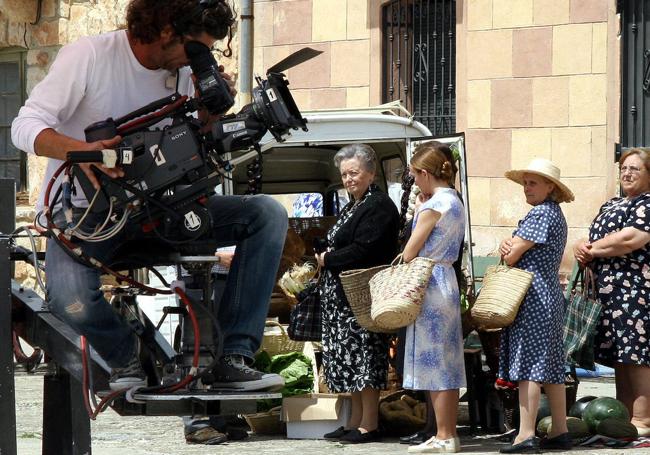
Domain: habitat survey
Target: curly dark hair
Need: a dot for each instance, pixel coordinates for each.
(146, 19)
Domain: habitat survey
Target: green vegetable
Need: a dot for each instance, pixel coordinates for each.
(577, 428)
(616, 428)
(543, 425)
(603, 408)
(544, 408)
(578, 408)
(294, 367)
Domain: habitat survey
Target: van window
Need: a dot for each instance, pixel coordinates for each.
(393, 169)
(301, 205)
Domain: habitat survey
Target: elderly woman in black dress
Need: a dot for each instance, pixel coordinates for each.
(618, 251)
(355, 360)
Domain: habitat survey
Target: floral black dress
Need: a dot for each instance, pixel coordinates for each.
(623, 286)
(365, 235)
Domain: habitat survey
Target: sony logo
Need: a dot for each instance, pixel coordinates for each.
(181, 134)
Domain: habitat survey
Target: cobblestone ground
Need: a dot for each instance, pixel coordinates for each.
(115, 435)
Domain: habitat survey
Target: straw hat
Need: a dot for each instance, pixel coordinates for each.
(545, 168)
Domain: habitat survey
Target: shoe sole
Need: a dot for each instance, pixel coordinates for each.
(115, 386)
(261, 385)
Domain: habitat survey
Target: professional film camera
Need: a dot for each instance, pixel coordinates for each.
(170, 170)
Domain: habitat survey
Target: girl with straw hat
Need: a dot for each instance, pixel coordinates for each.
(531, 351)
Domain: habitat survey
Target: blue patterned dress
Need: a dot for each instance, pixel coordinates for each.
(433, 356)
(532, 348)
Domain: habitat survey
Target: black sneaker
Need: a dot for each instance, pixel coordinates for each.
(132, 375)
(231, 372)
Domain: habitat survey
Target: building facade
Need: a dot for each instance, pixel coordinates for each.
(561, 79)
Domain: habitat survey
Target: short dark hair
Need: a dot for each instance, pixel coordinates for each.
(146, 19)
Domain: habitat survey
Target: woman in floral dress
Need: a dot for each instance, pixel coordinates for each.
(433, 355)
(355, 360)
(618, 250)
(532, 350)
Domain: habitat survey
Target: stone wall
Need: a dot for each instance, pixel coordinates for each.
(340, 76)
(533, 82)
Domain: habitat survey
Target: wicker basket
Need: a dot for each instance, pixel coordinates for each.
(357, 291)
(266, 422)
(279, 343)
(397, 292)
(504, 288)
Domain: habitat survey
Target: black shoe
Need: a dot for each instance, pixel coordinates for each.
(129, 376)
(560, 442)
(231, 372)
(530, 445)
(357, 437)
(336, 434)
(416, 438)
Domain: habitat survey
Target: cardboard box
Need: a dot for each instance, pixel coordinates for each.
(311, 416)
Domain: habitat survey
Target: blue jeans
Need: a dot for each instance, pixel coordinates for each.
(256, 224)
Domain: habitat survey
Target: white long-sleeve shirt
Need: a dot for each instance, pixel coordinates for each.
(91, 79)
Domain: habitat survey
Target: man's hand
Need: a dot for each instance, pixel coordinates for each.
(320, 258)
(111, 172)
(225, 258)
(582, 252)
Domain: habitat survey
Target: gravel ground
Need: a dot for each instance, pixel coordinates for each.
(112, 434)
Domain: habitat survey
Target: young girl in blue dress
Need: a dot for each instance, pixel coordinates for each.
(433, 358)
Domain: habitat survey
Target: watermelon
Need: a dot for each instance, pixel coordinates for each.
(544, 408)
(543, 425)
(616, 428)
(577, 428)
(578, 408)
(602, 408)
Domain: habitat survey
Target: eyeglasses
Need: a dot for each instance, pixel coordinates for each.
(630, 169)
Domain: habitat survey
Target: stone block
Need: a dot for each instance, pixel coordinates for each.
(49, 8)
(292, 22)
(488, 152)
(489, 54)
(16, 34)
(572, 49)
(64, 8)
(551, 12)
(590, 193)
(551, 101)
(38, 57)
(350, 63)
(34, 75)
(508, 203)
(47, 33)
(601, 161)
(572, 151)
(532, 52)
(588, 99)
(479, 101)
(599, 48)
(329, 98)
(512, 103)
(314, 73)
(479, 14)
(358, 26)
(358, 97)
(258, 61)
(273, 54)
(589, 10)
(488, 238)
(263, 24)
(479, 200)
(529, 143)
(19, 10)
(302, 99)
(3, 31)
(329, 20)
(509, 13)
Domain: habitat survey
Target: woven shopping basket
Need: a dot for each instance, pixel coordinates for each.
(357, 290)
(279, 343)
(397, 292)
(503, 290)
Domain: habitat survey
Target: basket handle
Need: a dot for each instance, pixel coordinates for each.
(398, 260)
(275, 324)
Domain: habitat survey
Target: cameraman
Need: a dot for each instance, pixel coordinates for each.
(110, 75)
